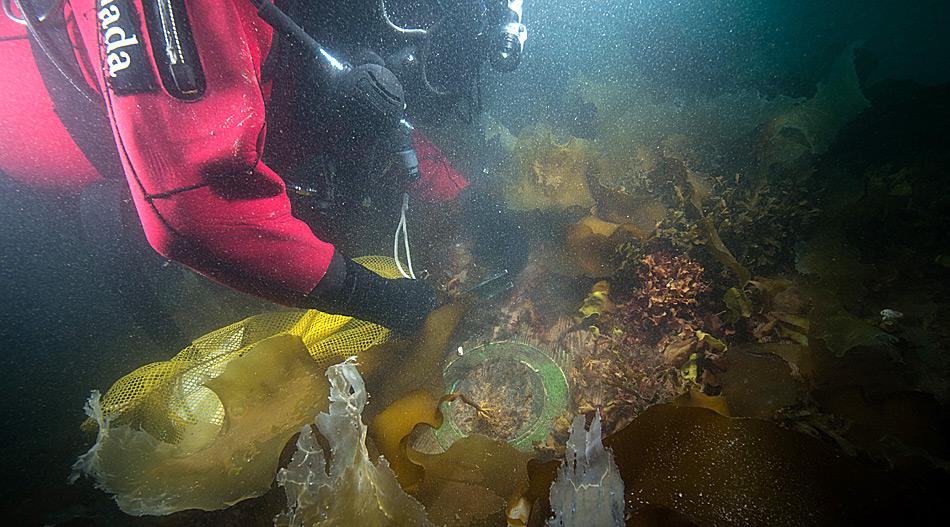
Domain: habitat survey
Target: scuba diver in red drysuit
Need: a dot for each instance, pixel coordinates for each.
(197, 102)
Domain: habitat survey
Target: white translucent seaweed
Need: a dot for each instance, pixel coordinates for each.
(588, 491)
(348, 487)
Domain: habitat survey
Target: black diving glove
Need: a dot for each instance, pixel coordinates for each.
(348, 288)
(498, 241)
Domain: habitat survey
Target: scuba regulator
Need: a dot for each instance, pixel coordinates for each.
(368, 97)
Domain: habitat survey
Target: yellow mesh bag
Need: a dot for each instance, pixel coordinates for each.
(167, 398)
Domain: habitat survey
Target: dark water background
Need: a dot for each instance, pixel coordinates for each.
(66, 325)
(693, 48)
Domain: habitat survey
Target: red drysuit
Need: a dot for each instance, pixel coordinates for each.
(203, 195)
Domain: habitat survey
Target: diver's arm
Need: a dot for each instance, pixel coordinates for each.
(203, 195)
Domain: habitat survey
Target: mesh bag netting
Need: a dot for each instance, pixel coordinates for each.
(167, 398)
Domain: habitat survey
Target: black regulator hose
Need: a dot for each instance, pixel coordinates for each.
(283, 24)
(33, 22)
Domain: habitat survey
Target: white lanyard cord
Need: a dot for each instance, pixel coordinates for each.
(401, 227)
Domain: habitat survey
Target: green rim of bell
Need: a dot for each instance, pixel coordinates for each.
(552, 381)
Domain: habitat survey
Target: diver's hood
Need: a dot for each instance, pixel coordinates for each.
(494, 26)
